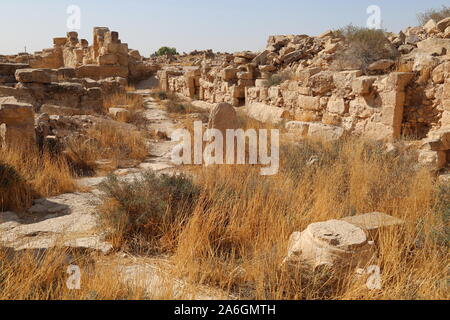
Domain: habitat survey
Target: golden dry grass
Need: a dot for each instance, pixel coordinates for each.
(132, 102)
(107, 142)
(26, 174)
(44, 276)
(234, 236)
(237, 236)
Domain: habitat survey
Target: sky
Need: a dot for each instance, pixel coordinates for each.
(224, 26)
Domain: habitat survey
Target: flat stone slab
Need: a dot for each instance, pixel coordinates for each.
(374, 221)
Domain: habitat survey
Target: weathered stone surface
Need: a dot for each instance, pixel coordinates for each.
(433, 160)
(9, 69)
(434, 46)
(223, 117)
(64, 221)
(431, 26)
(101, 72)
(443, 24)
(17, 120)
(381, 65)
(324, 131)
(333, 243)
(336, 105)
(120, 114)
(363, 85)
(37, 75)
(375, 222)
(309, 103)
(268, 114)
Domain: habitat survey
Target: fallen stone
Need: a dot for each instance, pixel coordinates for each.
(267, 114)
(334, 243)
(381, 65)
(374, 223)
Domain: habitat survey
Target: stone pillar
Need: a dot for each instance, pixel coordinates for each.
(393, 101)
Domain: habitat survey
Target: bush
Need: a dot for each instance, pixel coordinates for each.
(435, 14)
(280, 77)
(182, 108)
(166, 51)
(147, 206)
(362, 47)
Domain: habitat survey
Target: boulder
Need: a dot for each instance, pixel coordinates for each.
(222, 117)
(363, 85)
(443, 24)
(434, 46)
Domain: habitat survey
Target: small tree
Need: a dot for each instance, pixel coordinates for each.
(166, 51)
(435, 14)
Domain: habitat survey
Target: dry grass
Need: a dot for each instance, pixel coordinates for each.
(144, 214)
(363, 46)
(44, 276)
(27, 174)
(237, 236)
(435, 14)
(233, 234)
(129, 101)
(106, 142)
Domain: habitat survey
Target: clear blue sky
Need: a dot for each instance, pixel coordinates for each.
(221, 25)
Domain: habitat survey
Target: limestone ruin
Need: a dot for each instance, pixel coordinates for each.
(385, 105)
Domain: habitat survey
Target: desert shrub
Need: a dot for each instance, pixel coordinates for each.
(362, 46)
(105, 142)
(166, 51)
(280, 77)
(147, 206)
(435, 14)
(181, 107)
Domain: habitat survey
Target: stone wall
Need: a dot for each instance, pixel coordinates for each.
(297, 74)
(106, 57)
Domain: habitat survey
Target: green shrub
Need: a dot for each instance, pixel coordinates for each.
(148, 204)
(363, 46)
(435, 14)
(166, 51)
